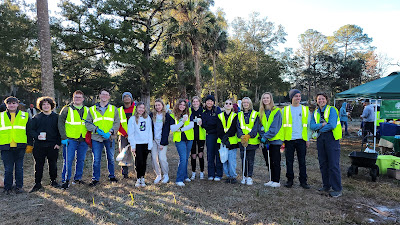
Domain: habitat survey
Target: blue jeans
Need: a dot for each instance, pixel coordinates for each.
(183, 148)
(13, 158)
(97, 148)
(213, 160)
(69, 155)
(230, 164)
(344, 123)
(329, 161)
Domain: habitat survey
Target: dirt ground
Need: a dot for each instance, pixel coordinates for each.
(208, 202)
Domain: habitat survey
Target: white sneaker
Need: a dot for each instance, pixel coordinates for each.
(187, 180)
(143, 183)
(180, 184)
(211, 178)
(217, 179)
(268, 183)
(166, 179)
(193, 176)
(249, 181)
(138, 182)
(243, 180)
(275, 185)
(158, 179)
(201, 175)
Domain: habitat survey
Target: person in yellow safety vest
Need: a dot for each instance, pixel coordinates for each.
(47, 141)
(182, 129)
(378, 117)
(295, 123)
(103, 121)
(71, 125)
(226, 131)
(125, 112)
(159, 151)
(326, 121)
(272, 136)
(199, 137)
(248, 126)
(14, 141)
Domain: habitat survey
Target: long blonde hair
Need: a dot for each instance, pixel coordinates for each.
(145, 114)
(250, 104)
(155, 111)
(177, 113)
(263, 107)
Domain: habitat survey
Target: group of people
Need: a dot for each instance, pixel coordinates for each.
(140, 132)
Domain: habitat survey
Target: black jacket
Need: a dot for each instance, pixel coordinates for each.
(210, 119)
(48, 124)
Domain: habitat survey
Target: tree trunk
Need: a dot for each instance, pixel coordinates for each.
(215, 78)
(196, 57)
(45, 48)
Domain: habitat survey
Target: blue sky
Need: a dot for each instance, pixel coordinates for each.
(379, 18)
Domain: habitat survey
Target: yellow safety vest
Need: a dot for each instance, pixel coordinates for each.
(288, 123)
(202, 131)
(15, 131)
(247, 127)
(378, 118)
(177, 135)
(337, 132)
(103, 122)
(122, 118)
(227, 125)
(267, 124)
(74, 125)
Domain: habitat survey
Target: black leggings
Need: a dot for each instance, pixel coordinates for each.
(275, 160)
(141, 159)
(197, 147)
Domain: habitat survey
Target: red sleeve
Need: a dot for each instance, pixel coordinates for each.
(122, 131)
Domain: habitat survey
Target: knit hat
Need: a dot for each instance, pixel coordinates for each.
(293, 92)
(210, 97)
(127, 93)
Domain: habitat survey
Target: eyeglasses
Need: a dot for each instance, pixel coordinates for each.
(228, 103)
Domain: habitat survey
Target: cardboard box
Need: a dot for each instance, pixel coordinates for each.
(393, 173)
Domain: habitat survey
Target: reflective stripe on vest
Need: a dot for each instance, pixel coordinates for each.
(177, 135)
(337, 132)
(103, 122)
(267, 124)
(246, 128)
(378, 118)
(227, 125)
(288, 123)
(74, 125)
(15, 131)
(202, 131)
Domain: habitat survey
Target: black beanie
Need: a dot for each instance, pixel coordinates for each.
(210, 97)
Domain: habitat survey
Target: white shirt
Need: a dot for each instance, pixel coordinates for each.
(141, 132)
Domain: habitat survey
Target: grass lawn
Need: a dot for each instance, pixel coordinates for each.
(207, 202)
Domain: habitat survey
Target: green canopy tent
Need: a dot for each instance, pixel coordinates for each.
(383, 88)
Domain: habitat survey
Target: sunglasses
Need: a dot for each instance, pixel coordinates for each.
(228, 103)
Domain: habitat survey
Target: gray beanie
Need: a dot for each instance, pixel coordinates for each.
(293, 92)
(127, 93)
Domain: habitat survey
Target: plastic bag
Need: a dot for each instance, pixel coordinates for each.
(223, 153)
(121, 155)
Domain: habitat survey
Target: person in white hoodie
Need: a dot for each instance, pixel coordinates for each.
(140, 136)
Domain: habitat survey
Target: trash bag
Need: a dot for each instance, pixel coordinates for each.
(223, 153)
(121, 155)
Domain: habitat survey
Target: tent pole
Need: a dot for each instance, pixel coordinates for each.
(334, 102)
(375, 112)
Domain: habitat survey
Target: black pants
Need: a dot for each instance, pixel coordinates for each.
(197, 147)
(367, 127)
(275, 160)
(249, 163)
(40, 154)
(300, 147)
(141, 159)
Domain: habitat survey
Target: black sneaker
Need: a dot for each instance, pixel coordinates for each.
(233, 181)
(54, 184)
(93, 183)
(126, 176)
(19, 190)
(228, 180)
(305, 186)
(113, 179)
(65, 185)
(289, 184)
(78, 182)
(35, 188)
